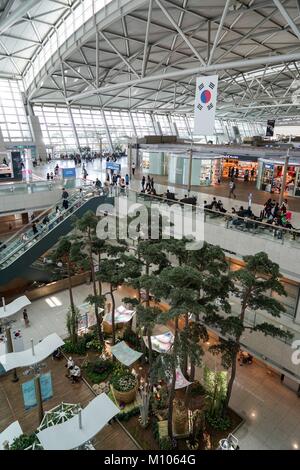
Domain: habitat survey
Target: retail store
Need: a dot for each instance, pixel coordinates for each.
(205, 170)
(239, 167)
(270, 177)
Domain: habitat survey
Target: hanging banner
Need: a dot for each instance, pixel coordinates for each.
(29, 392)
(270, 128)
(205, 105)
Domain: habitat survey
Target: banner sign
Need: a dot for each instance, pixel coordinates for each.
(270, 128)
(113, 166)
(29, 392)
(87, 318)
(205, 105)
(69, 173)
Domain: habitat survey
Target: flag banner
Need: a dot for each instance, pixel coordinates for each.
(270, 128)
(205, 105)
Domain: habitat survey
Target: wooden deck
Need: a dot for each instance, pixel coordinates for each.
(112, 437)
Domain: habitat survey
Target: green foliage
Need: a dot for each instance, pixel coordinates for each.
(215, 384)
(165, 443)
(99, 370)
(123, 381)
(126, 415)
(23, 441)
(72, 320)
(75, 348)
(132, 338)
(197, 389)
(94, 345)
(218, 422)
(162, 403)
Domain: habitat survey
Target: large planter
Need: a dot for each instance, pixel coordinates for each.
(125, 397)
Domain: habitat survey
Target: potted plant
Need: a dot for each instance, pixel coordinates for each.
(124, 385)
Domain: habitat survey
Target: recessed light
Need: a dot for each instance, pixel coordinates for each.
(295, 446)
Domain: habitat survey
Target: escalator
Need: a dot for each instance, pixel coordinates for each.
(25, 247)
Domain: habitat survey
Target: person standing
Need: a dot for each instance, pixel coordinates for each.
(152, 183)
(232, 188)
(133, 168)
(143, 183)
(25, 316)
(148, 184)
(127, 179)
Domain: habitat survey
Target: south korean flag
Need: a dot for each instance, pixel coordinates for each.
(205, 105)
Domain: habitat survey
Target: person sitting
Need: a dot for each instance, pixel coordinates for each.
(75, 374)
(98, 183)
(57, 354)
(70, 364)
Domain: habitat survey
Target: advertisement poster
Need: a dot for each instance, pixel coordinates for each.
(270, 128)
(29, 392)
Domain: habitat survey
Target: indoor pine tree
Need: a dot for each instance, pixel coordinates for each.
(117, 269)
(68, 253)
(253, 285)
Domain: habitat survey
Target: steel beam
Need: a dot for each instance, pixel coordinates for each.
(269, 60)
(118, 53)
(17, 14)
(145, 57)
(179, 30)
(287, 18)
(219, 31)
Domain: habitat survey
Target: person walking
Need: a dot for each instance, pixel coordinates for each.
(148, 184)
(143, 183)
(232, 188)
(25, 316)
(65, 194)
(152, 183)
(133, 168)
(127, 179)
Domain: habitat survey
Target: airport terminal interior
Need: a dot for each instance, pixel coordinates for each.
(150, 225)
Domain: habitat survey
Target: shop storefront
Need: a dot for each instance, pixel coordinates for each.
(154, 163)
(205, 171)
(240, 168)
(270, 178)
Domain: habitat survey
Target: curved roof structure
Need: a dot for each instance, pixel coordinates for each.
(137, 54)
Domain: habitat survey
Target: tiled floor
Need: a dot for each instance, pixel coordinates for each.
(271, 411)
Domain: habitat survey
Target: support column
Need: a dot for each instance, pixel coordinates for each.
(36, 131)
(74, 128)
(283, 183)
(190, 169)
(107, 131)
(10, 349)
(39, 398)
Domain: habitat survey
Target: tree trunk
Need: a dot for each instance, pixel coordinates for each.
(172, 388)
(231, 380)
(185, 358)
(72, 305)
(150, 348)
(147, 290)
(99, 282)
(113, 303)
(93, 276)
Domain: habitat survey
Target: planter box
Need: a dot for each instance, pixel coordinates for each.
(56, 286)
(125, 397)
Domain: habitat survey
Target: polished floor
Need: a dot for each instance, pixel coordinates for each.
(270, 410)
(97, 169)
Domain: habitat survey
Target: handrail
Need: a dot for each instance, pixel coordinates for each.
(21, 245)
(218, 213)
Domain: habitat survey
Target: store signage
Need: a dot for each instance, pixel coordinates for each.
(17, 165)
(205, 105)
(113, 166)
(270, 128)
(69, 172)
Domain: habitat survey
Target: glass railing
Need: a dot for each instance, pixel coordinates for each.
(25, 238)
(17, 188)
(252, 224)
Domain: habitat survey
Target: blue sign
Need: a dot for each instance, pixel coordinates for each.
(29, 392)
(113, 166)
(69, 172)
(29, 397)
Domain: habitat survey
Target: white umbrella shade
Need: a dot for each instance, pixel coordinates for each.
(26, 358)
(122, 315)
(14, 307)
(13, 431)
(125, 354)
(69, 435)
(160, 343)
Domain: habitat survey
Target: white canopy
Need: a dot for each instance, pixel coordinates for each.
(125, 354)
(122, 315)
(68, 435)
(10, 433)
(26, 358)
(160, 343)
(14, 307)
